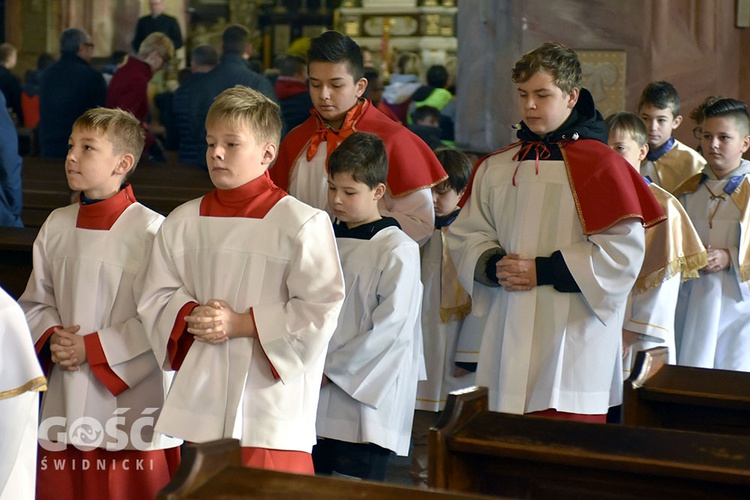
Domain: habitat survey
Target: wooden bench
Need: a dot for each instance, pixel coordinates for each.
(159, 186)
(680, 397)
(15, 258)
(213, 470)
(475, 450)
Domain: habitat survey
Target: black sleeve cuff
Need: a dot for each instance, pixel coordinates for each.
(469, 367)
(485, 271)
(554, 271)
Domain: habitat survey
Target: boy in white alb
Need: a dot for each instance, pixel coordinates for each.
(549, 245)
(21, 379)
(674, 253)
(336, 75)
(451, 334)
(713, 311)
(242, 295)
(375, 356)
(105, 386)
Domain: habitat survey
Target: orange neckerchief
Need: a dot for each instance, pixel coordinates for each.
(331, 137)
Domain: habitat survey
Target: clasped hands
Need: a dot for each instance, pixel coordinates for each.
(216, 322)
(68, 349)
(516, 274)
(718, 259)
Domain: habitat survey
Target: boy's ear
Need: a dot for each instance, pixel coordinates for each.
(379, 191)
(461, 193)
(125, 164)
(360, 86)
(269, 153)
(676, 122)
(573, 96)
(745, 143)
(643, 152)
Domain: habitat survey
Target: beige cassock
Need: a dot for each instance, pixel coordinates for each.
(674, 253)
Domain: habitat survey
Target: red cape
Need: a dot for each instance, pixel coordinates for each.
(411, 163)
(606, 189)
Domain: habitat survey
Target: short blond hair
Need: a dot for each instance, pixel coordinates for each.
(120, 127)
(241, 107)
(554, 58)
(157, 42)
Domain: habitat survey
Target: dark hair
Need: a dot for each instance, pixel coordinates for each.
(335, 47)
(437, 76)
(731, 108)
(629, 124)
(697, 112)
(363, 156)
(205, 55)
(554, 58)
(662, 95)
(291, 65)
(235, 39)
(44, 61)
(71, 39)
(458, 167)
(423, 112)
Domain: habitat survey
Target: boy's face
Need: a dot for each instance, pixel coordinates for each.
(333, 90)
(91, 165)
(723, 144)
(234, 158)
(624, 145)
(374, 90)
(660, 123)
(353, 202)
(445, 199)
(544, 106)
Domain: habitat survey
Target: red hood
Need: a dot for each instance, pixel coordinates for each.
(286, 87)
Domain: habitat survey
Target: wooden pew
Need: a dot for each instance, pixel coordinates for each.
(680, 397)
(160, 186)
(475, 450)
(15, 258)
(213, 470)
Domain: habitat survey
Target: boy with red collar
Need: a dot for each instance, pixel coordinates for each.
(242, 296)
(89, 265)
(549, 244)
(335, 72)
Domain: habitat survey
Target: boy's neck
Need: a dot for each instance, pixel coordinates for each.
(723, 174)
(656, 152)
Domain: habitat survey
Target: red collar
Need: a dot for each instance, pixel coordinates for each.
(252, 200)
(103, 214)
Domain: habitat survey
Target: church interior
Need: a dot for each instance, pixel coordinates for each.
(686, 432)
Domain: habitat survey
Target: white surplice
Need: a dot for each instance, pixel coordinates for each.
(375, 355)
(284, 268)
(542, 348)
(93, 278)
(20, 380)
(713, 311)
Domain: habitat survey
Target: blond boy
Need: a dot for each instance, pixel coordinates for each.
(668, 161)
(243, 293)
(674, 253)
(712, 325)
(105, 386)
